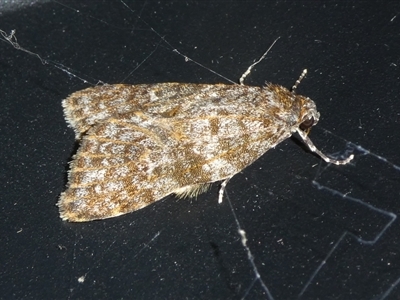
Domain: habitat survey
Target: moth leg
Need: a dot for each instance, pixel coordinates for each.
(222, 189)
(314, 149)
(296, 84)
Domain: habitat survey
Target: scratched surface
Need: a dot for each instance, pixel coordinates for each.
(297, 212)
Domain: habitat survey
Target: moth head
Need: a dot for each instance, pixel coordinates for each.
(309, 114)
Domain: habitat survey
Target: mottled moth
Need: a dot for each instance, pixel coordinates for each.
(140, 143)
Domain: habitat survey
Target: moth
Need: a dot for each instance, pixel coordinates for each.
(140, 143)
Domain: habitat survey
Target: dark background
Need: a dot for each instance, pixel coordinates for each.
(186, 249)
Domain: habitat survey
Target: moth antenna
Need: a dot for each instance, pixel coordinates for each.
(296, 84)
(257, 62)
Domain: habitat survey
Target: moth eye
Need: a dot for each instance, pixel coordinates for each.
(307, 124)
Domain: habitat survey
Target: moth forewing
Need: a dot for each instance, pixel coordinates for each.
(141, 143)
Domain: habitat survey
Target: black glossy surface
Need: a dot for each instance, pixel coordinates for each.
(178, 249)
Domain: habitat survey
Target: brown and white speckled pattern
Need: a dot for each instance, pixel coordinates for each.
(140, 143)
